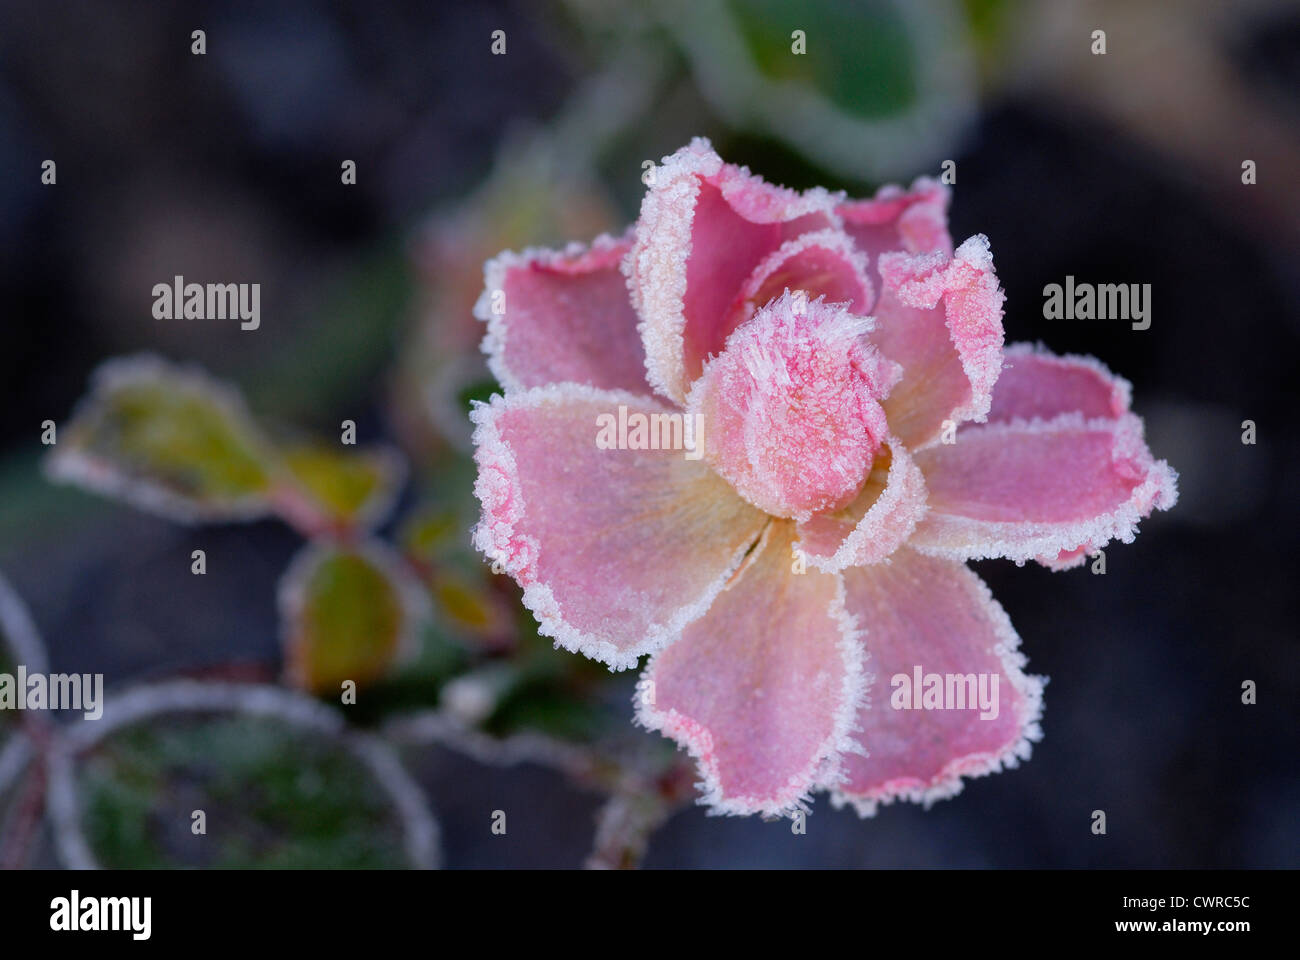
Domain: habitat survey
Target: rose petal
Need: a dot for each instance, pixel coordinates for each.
(822, 264)
(562, 316)
(792, 406)
(876, 523)
(1030, 489)
(763, 688)
(1036, 383)
(705, 227)
(941, 318)
(918, 611)
(616, 549)
(913, 220)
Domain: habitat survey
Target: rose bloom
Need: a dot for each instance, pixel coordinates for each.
(865, 432)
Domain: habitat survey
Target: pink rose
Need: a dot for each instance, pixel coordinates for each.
(849, 429)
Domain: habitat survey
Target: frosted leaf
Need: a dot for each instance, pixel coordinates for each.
(347, 613)
(168, 439)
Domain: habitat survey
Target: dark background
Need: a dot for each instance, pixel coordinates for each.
(227, 165)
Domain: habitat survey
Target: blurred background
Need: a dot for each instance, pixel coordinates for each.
(1124, 167)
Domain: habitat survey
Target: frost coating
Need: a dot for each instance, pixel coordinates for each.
(1036, 384)
(421, 832)
(810, 650)
(793, 408)
(823, 264)
(914, 220)
(714, 223)
(18, 631)
(1026, 489)
(606, 543)
(878, 522)
(866, 431)
(933, 770)
(968, 289)
(171, 440)
(561, 315)
(292, 601)
(101, 473)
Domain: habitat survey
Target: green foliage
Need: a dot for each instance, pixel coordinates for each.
(274, 797)
(183, 439)
(416, 683)
(545, 706)
(169, 439)
(347, 488)
(860, 55)
(345, 616)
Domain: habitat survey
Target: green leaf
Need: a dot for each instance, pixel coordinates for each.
(348, 613)
(342, 489)
(860, 55)
(279, 779)
(470, 606)
(880, 90)
(417, 683)
(168, 439)
(570, 698)
(432, 532)
(542, 707)
(464, 590)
